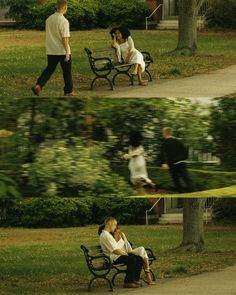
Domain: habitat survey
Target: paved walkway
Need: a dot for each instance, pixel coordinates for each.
(204, 87)
(215, 283)
(222, 282)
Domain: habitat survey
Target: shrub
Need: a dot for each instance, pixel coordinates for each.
(81, 14)
(223, 125)
(126, 211)
(9, 195)
(49, 212)
(222, 14)
(224, 211)
(74, 169)
(64, 212)
(126, 13)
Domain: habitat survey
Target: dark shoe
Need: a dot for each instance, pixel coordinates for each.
(36, 90)
(130, 285)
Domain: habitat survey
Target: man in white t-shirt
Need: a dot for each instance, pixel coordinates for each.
(57, 49)
(118, 255)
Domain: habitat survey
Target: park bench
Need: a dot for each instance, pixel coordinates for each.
(104, 63)
(101, 265)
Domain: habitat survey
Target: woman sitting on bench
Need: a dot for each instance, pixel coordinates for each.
(126, 52)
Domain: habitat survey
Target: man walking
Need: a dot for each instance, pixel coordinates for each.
(173, 157)
(57, 49)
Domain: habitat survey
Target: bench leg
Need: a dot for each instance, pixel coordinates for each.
(115, 275)
(124, 73)
(104, 278)
(149, 75)
(153, 275)
(96, 78)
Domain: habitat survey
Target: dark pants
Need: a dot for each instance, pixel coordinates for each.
(134, 266)
(179, 172)
(53, 61)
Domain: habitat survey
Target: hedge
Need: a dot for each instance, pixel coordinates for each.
(66, 212)
(221, 14)
(82, 14)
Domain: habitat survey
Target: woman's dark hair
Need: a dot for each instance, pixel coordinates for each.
(101, 228)
(135, 138)
(112, 31)
(124, 32)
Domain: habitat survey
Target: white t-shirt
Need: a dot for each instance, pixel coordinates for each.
(57, 28)
(109, 244)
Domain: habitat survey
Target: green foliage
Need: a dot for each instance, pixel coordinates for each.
(49, 212)
(9, 194)
(126, 13)
(126, 211)
(222, 14)
(225, 211)
(116, 120)
(73, 170)
(223, 126)
(64, 212)
(82, 14)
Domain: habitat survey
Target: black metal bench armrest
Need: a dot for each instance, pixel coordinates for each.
(150, 254)
(147, 56)
(107, 264)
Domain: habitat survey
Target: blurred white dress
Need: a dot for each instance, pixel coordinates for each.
(128, 46)
(137, 166)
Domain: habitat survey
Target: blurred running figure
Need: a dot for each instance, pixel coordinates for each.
(57, 49)
(137, 164)
(173, 157)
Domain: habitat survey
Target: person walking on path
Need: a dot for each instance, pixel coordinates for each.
(57, 49)
(173, 157)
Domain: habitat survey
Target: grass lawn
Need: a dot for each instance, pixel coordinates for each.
(22, 57)
(49, 261)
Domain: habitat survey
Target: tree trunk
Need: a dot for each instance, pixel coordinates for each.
(188, 12)
(193, 234)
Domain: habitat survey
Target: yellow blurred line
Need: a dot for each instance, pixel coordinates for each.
(225, 192)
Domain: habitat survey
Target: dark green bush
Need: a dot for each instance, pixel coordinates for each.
(64, 212)
(222, 14)
(126, 211)
(223, 125)
(9, 195)
(126, 13)
(225, 211)
(82, 14)
(49, 212)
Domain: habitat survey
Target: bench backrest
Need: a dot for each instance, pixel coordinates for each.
(100, 58)
(96, 259)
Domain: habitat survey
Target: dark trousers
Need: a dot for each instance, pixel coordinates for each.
(53, 61)
(134, 266)
(179, 172)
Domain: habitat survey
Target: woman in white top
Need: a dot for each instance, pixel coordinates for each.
(137, 163)
(127, 53)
